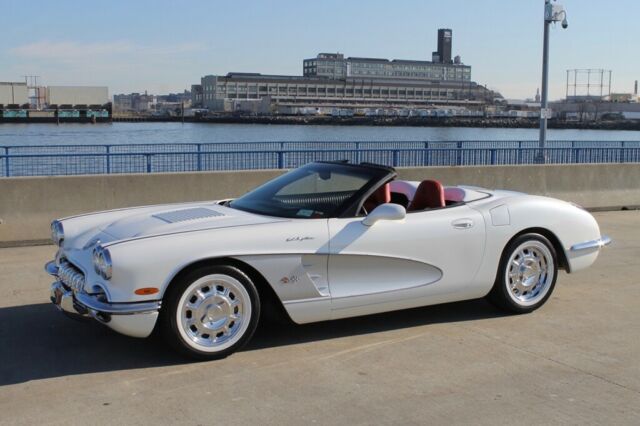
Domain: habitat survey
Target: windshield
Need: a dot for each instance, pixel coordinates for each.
(317, 190)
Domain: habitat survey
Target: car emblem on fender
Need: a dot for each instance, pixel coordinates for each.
(290, 239)
(289, 280)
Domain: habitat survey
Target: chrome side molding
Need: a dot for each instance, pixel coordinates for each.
(597, 244)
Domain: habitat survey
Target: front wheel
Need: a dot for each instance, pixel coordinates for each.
(526, 275)
(210, 312)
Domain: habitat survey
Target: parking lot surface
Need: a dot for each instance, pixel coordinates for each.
(574, 361)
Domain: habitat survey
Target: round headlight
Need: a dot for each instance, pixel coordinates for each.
(57, 232)
(102, 262)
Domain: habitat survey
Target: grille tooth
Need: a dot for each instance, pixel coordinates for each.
(71, 276)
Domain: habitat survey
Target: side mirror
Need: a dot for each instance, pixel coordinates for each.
(386, 211)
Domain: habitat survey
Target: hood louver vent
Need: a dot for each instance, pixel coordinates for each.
(187, 214)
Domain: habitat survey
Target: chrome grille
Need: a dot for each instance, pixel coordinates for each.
(71, 276)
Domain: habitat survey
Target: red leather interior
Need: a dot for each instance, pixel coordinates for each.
(429, 195)
(380, 196)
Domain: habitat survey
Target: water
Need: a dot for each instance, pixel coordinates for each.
(153, 133)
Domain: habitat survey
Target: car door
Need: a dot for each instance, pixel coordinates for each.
(428, 257)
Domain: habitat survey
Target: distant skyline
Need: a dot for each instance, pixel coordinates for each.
(163, 46)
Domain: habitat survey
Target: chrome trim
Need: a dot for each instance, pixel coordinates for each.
(51, 268)
(62, 298)
(57, 232)
(101, 259)
(597, 244)
(71, 276)
(87, 304)
(93, 304)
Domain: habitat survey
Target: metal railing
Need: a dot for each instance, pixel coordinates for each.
(52, 160)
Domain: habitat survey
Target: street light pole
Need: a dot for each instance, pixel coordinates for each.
(553, 12)
(544, 102)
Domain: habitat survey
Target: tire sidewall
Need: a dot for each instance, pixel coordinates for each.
(169, 318)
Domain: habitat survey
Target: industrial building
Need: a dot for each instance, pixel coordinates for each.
(77, 95)
(330, 79)
(144, 103)
(24, 102)
(12, 93)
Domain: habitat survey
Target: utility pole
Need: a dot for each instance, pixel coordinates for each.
(553, 12)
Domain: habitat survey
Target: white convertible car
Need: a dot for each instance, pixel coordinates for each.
(328, 240)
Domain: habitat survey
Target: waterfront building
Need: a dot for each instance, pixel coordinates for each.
(76, 95)
(331, 79)
(13, 93)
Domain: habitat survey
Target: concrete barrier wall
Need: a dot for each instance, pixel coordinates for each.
(27, 205)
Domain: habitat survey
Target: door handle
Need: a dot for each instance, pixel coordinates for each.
(462, 224)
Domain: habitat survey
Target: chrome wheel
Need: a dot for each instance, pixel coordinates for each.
(529, 273)
(213, 313)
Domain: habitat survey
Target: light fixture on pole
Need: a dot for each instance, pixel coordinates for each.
(553, 12)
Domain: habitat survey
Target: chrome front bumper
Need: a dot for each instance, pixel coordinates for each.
(593, 244)
(133, 319)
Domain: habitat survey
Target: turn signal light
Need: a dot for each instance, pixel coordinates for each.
(146, 291)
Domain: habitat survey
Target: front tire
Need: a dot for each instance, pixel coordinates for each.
(210, 312)
(526, 275)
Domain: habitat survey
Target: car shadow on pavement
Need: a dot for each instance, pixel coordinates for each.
(271, 334)
(38, 342)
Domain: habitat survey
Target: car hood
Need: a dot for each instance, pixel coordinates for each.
(144, 222)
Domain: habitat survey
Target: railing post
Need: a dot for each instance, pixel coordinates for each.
(459, 152)
(395, 158)
(6, 162)
(493, 156)
(622, 153)
(108, 150)
(425, 154)
(148, 162)
(199, 157)
(358, 152)
(280, 159)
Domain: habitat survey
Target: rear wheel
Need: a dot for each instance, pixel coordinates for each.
(210, 312)
(526, 275)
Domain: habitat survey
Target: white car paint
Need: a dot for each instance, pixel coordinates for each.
(324, 269)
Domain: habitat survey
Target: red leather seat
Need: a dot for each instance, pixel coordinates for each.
(380, 196)
(429, 195)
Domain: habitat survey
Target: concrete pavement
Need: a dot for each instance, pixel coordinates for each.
(574, 361)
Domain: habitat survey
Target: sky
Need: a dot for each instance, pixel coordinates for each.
(165, 46)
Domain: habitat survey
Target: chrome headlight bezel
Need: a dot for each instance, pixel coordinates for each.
(102, 262)
(57, 233)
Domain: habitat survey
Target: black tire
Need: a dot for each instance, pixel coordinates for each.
(504, 295)
(182, 339)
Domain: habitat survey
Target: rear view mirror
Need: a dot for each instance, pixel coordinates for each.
(386, 211)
